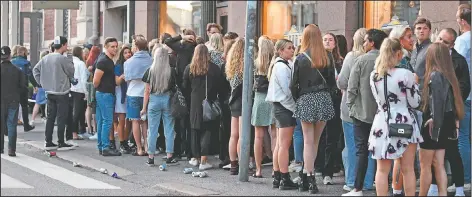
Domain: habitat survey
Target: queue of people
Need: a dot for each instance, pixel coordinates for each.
(387, 100)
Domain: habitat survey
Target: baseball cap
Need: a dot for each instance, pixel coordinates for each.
(5, 52)
(59, 41)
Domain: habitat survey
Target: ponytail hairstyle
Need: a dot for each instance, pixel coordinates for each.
(279, 45)
(387, 58)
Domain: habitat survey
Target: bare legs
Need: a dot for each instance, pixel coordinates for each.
(311, 138)
(140, 129)
(434, 158)
(258, 143)
(284, 141)
(233, 146)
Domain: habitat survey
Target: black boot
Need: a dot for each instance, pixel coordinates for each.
(303, 185)
(276, 180)
(286, 183)
(312, 187)
(124, 148)
(112, 145)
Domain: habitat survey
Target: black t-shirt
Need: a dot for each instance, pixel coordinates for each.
(107, 83)
(171, 79)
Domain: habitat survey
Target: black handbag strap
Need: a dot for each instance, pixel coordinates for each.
(386, 97)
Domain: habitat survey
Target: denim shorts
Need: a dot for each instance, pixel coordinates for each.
(134, 105)
(41, 97)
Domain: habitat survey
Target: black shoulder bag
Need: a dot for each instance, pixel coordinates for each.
(211, 109)
(178, 105)
(396, 129)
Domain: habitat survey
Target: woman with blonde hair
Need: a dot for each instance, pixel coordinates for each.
(279, 94)
(160, 83)
(397, 95)
(312, 76)
(404, 35)
(216, 49)
(349, 160)
(234, 74)
(262, 111)
(204, 80)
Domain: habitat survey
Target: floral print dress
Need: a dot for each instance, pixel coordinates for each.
(403, 96)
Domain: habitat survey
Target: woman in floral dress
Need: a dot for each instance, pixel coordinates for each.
(402, 98)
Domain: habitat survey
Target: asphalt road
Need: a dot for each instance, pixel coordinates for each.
(34, 173)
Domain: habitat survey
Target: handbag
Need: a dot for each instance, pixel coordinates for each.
(178, 105)
(396, 129)
(211, 109)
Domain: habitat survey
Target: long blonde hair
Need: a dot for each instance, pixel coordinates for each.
(216, 42)
(200, 60)
(279, 45)
(358, 42)
(265, 54)
(387, 58)
(235, 60)
(313, 42)
(160, 71)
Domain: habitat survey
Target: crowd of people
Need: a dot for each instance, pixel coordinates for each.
(389, 99)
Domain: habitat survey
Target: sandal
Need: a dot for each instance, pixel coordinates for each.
(256, 176)
(136, 153)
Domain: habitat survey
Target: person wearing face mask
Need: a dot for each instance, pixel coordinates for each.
(447, 36)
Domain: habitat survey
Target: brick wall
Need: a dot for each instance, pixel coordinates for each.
(73, 23)
(48, 21)
(26, 6)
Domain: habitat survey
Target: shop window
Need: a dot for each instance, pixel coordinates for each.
(179, 15)
(378, 13)
(281, 18)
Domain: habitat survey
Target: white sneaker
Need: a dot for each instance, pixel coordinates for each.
(451, 188)
(252, 165)
(193, 162)
(205, 166)
(347, 188)
(327, 180)
(467, 187)
(297, 180)
(227, 166)
(434, 191)
(353, 193)
(31, 123)
(295, 167)
(84, 135)
(339, 174)
(93, 137)
(71, 142)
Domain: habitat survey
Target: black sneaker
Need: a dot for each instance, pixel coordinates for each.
(100, 152)
(65, 146)
(112, 145)
(110, 152)
(27, 128)
(150, 162)
(172, 161)
(124, 150)
(50, 145)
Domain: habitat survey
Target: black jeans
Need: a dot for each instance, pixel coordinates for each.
(361, 136)
(78, 112)
(333, 133)
(225, 132)
(24, 108)
(58, 106)
(455, 160)
(201, 139)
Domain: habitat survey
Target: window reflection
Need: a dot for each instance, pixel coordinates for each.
(181, 15)
(280, 16)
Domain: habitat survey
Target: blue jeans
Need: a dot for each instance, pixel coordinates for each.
(298, 142)
(104, 115)
(159, 106)
(464, 141)
(9, 123)
(350, 159)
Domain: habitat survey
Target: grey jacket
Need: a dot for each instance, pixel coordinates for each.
(418, 61)
(54, 72)
(342, 82)
(360, 101)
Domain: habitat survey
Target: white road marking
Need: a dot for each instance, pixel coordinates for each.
(9, 182)
(58, 173)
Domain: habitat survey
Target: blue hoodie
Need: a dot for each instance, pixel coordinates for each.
(136, 66)
(25, 66)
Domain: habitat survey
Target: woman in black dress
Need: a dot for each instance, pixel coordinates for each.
(443, 108)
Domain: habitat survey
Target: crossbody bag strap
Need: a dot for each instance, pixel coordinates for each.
(306, 55)
(206, 86)
(386, 97)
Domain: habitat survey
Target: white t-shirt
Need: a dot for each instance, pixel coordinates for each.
(136, 88)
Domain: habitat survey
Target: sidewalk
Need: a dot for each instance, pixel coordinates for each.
(133, 169)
